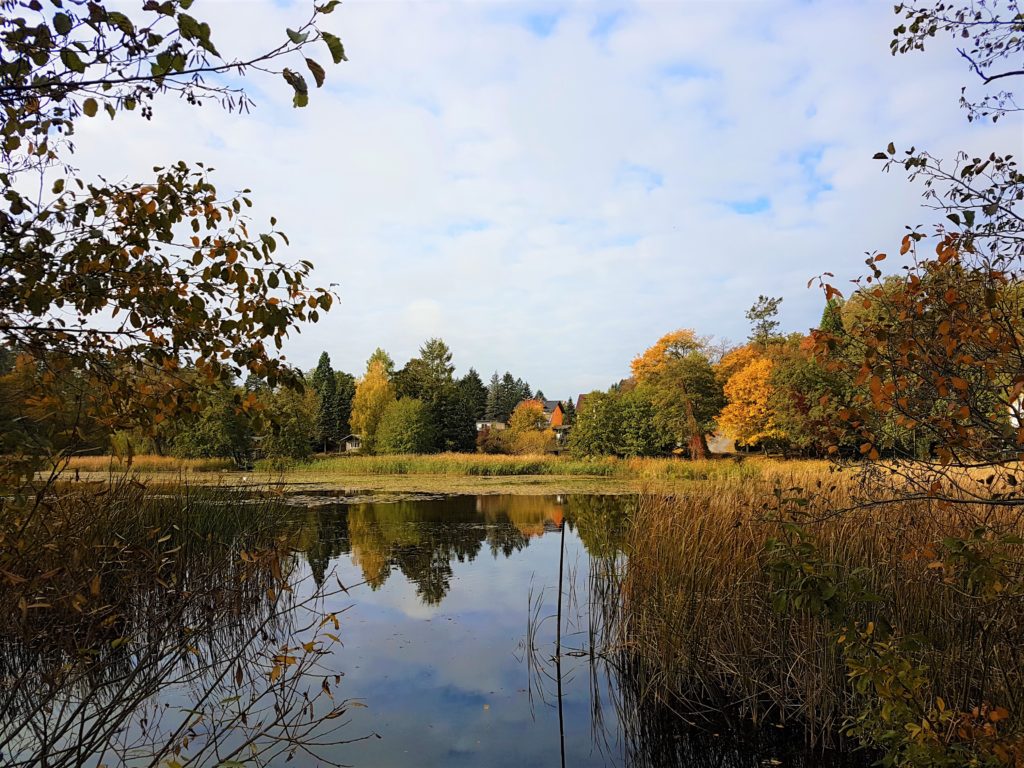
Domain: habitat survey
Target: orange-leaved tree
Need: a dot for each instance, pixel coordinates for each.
(678, 376)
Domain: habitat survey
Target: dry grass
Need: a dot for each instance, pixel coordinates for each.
(697, 613)
(147, 463)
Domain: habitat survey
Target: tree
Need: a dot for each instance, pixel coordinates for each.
(640, 431)
(598, 427)
(117, 287)
(528, 432)
(454, 423)
(503, 395)
(748, 416)
(382, 357)
(345, 387)
(438, 359)
(680, 380)
(406, 426)
(325, 385)
(474, 394)
(763, 325)
(291, 432)
(220, 429)
(569, 409)
(374, 394)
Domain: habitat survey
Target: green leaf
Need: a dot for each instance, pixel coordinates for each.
(297, 37)
(71, 60)
(336, 48)
(317, 71)
(300, 100)
(62, 23)
(89, 107)
(188, 27)
(328, 7)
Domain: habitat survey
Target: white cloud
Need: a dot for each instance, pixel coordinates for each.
(551, 204)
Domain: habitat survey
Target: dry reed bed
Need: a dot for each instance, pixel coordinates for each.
(148, 463)
(699, 627)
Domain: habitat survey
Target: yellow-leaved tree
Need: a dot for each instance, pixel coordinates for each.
(374, 393)
(748, 418)
(528, 430)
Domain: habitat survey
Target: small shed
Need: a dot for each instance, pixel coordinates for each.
(352, 443)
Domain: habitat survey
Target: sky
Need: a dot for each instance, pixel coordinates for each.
(550, 187)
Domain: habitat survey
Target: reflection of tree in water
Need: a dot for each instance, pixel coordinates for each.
(325, 537)
(599, 521)
(424, 538)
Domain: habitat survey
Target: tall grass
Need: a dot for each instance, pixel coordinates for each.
(148, 463)
(699, 628)
(489, 465)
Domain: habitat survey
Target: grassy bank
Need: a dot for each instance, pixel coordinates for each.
(461, 473)
(703, 624)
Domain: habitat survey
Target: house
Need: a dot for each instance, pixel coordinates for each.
(553, 412)
(352, 443)
(492, 424)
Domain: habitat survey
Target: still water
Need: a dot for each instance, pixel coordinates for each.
(464, 631)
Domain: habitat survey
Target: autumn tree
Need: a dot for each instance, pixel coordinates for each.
(528, 431)
(748, 417)
(118, 286)
(374, 394)
(678, 375)
(382, 357)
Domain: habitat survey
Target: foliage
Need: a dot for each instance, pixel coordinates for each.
(503, 395)
(678, 376)
(763, 325)
(992, 32)
(220, 429)
(528, 431)
(345, 386)
(598, 427)
(748, 417)
(287, 435)
(474, 394)
(374, 394)
(405, 427)
(382, 357)
(328, 417)
(452, 414)
(116, 286)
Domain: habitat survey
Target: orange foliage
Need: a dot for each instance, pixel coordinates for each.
(748, 416)
(669, 347)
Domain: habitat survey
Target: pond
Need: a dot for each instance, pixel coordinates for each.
(460, 631)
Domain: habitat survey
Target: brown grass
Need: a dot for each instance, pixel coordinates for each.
(698, 618)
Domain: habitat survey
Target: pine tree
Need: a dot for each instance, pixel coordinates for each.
(763, 325)
(326, 388)
(345, 383)
(474, 393)
(493, 403)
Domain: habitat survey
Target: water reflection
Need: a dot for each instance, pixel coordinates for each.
(450, 648)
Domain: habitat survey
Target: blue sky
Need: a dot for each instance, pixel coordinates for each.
(551, 187)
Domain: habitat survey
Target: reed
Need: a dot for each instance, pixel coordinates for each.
(698, 627)
(148, 463)
(489, 465)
